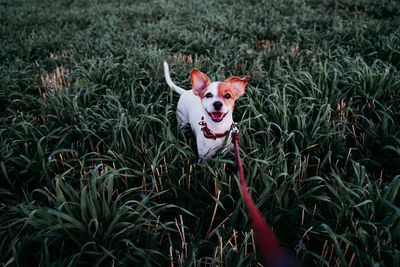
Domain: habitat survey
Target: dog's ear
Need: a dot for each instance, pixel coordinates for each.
(199, 82)
(238, 84)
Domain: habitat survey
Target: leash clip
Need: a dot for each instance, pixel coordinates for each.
(233, 127)
(234, 132)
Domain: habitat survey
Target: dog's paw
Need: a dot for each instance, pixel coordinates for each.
(202, 161)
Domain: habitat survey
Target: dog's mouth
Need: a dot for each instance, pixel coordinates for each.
(217, 116)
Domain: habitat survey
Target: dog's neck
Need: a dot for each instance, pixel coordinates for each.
(218, 127)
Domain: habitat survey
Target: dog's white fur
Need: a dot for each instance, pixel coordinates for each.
(191, 108)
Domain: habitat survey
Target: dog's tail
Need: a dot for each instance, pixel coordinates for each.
(177, 89)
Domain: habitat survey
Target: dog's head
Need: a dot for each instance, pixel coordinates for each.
(217, 98)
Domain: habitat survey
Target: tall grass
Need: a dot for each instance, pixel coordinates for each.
(94, 169)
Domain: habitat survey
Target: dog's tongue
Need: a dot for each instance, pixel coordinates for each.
(216, 115)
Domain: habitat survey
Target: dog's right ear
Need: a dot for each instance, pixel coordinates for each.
(199, 82)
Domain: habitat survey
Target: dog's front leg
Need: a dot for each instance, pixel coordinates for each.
(202, 148)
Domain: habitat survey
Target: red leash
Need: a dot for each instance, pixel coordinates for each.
(270, 250)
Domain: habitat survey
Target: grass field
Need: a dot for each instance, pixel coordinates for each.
(95, 171)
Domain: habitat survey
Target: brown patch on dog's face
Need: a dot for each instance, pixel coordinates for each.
(226, 93)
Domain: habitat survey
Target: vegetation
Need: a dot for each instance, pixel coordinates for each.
(95, 171)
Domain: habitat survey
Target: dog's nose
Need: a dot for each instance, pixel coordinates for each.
(217, 105)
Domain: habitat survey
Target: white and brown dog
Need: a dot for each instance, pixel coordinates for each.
(208, 109)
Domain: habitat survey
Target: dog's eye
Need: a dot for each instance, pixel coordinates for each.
(208, 95)
(227, 95)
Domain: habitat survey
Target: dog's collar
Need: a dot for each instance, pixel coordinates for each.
(210, 134)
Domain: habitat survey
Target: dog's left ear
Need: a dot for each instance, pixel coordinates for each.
(238, 84)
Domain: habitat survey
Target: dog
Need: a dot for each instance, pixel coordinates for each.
(208, 109)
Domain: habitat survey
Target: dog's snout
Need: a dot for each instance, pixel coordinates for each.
(217, 105)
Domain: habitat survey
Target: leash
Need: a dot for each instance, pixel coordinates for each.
(270, 250)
